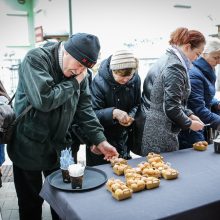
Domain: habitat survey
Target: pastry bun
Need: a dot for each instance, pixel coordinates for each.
(200, 145)
(118, 189)
(152, 182)
(170, 174)
(120, 168)
(115, 160)
(136, 185)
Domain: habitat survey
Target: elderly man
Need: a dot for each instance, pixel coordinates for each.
(53, 80)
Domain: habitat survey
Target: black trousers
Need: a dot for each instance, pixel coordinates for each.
(28, 185)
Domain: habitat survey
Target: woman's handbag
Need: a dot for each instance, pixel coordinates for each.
(137, 131)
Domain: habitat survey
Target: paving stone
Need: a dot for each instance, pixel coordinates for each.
(1, 203)
(10, 204)
(7, 173)
(6, 214)
(46, 211)
(14, 215)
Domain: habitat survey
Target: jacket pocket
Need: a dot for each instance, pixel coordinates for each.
(34, 133)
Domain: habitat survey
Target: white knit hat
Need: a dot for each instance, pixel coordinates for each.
(212, 45)
(123, 59)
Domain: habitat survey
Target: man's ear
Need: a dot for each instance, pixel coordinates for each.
(65, 52)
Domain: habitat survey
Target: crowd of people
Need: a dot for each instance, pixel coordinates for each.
(70, 106)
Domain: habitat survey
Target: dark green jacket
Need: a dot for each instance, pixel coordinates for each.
(56, 101)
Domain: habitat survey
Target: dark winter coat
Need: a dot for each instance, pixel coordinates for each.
(201, 99)
(165, 92)
(107, 95)
(56, 101)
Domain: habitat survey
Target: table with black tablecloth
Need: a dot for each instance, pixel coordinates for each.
(194, 195)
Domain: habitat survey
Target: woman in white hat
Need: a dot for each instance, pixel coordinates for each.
(116, 95)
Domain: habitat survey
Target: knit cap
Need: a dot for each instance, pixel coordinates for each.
(123, 59)
(84, 48)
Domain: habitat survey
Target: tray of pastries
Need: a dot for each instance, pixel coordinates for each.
(153, 157)
(118, 189)
(200, 145)
(160, 166)
(136, 184)
(119, 168)
(152, 182)
(151, 171)
(143, 165)
(170, 174)
(115, 160)
(133, 170)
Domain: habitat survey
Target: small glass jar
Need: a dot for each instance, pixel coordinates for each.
(66, 176)
(76, 182)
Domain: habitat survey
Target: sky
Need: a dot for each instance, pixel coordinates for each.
(122, 21)
(117, 22)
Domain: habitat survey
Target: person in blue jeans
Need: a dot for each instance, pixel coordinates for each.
(2, 160)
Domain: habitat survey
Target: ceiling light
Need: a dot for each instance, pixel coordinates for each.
(182, 6)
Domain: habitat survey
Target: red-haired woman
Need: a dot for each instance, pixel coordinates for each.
(165, 92)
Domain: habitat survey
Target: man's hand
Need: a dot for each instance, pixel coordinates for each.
(80, 77)
(105, 148)
(95, 150)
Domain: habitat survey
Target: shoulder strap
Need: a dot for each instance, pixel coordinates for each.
(26, 110)
(10, 101)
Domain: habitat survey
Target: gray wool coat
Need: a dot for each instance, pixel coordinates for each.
(165, 93)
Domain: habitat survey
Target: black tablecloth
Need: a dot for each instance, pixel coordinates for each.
(194, 195)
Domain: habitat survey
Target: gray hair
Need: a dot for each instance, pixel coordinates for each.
(212, 45)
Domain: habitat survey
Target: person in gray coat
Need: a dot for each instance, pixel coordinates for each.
(165, 92)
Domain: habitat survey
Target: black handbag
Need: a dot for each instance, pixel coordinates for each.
(137, 131)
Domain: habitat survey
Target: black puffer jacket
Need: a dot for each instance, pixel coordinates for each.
(107, 95)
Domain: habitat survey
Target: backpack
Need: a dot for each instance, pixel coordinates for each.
(8, 120)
